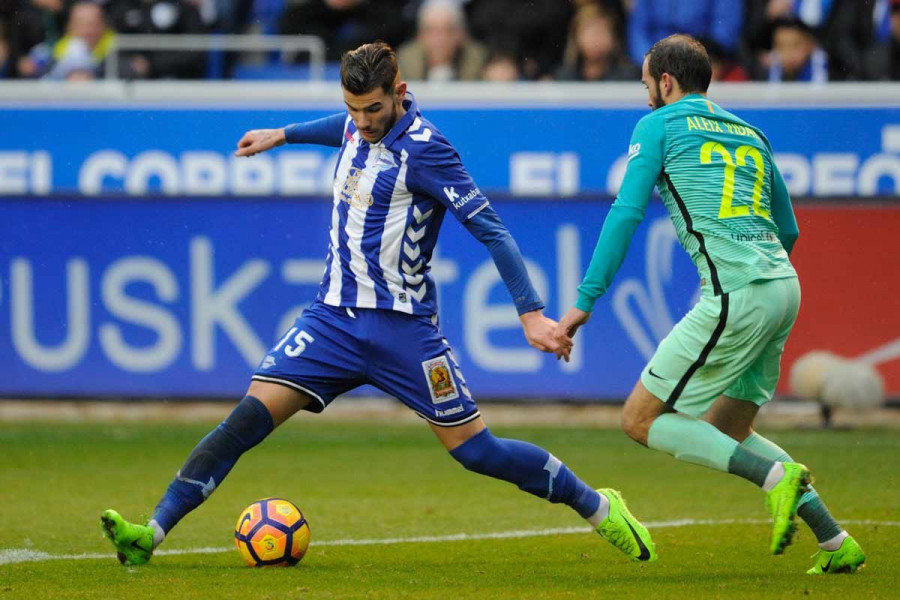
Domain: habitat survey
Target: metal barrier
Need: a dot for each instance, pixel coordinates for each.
(201, 43)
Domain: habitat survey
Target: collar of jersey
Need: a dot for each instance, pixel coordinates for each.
(409, 103)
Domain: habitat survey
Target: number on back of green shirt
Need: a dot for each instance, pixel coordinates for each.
(727, 210)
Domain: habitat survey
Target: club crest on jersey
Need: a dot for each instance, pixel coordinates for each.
(350, 190)
(440, 380)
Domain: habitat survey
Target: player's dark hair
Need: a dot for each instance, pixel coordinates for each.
(368, 67)
(685, 59)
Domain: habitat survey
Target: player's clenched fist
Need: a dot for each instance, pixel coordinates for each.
(259, 140)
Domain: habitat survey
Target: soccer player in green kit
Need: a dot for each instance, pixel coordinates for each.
(699, 394)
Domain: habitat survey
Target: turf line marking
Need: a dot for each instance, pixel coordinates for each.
(23, 555)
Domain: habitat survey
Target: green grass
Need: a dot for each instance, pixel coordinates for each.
(362, 481)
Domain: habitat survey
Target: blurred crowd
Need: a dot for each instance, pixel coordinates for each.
(444, 40)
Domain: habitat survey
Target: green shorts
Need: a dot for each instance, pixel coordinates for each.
(729, 344)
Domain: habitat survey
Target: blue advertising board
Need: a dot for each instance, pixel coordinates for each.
(180, 297)
(552, 151)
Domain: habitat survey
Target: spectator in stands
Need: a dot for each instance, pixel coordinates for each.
(725, 67)
(159, 17)
(5, 62)
(594, 51)
(796, 55)
(652, 20)
(29, 24)
(501, 66)
(347, 24)
(80, 53)
(883, 61)
(442, 50)
(534, 32)
(845, 28)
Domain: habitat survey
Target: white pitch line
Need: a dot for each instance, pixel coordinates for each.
(23, 555)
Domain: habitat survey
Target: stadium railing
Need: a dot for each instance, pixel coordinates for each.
(284, 44)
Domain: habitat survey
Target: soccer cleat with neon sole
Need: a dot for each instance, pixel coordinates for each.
(782, 504)
(133, 542)
(847, 559)
(623, 531)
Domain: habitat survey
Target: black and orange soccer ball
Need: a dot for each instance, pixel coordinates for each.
(272, 532)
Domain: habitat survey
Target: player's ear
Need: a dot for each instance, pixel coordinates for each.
(400, 90)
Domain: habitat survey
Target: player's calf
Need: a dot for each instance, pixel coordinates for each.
(532, 469)
(211, 461)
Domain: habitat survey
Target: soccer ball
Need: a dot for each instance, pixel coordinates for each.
(272, 532)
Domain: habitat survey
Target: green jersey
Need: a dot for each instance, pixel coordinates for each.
(718, 180)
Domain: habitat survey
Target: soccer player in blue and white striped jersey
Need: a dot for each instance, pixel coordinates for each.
(375, 318)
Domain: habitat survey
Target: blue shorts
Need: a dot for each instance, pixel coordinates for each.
(331, 350)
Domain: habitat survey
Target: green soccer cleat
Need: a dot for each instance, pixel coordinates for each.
(782, 504)
(134, 543)
(847, 559)
(623, 531)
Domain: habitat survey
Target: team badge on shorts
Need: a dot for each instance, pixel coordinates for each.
(440, 380)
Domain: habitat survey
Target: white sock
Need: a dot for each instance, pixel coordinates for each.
(601, 514)
(835, 542)
(774, 476)
(158, 534)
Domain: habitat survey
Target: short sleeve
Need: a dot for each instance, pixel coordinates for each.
(437, 171)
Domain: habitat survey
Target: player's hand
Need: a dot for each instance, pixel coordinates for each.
(569, 324)
(260, 140)
(539, 333)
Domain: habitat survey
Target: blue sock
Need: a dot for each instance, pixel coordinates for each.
(531, 468)
(247, 425)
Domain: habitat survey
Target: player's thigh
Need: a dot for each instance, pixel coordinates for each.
(708, 350)
(318, 358)
(281, 401)
(453, 437)
(759, 378)
(412, 361)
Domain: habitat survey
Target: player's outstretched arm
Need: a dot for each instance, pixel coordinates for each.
(644, 167)
(487, 228)
(328, 131)
(440, 174)
(259, 140)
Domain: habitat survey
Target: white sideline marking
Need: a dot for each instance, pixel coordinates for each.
(22, 555)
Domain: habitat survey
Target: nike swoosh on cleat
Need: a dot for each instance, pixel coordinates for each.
(652, 374)
(134, 544)
(645, 553)
(828, 564)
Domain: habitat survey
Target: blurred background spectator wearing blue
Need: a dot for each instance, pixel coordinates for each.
(652, 20)
(796, 54)
(442, 49)
(595, 51)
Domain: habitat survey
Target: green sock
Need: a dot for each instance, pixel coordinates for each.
(811, 508)
(700, 443)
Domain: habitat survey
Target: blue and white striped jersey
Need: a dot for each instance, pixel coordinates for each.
(389, 201)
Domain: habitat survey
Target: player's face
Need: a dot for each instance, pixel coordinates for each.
(375, 112)
(655, 99)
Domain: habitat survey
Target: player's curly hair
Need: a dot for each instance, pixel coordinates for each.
(369, 66)
(684, 58)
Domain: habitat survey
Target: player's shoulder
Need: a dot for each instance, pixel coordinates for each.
(423, 141)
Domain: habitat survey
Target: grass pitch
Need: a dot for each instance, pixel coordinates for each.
(357, 482)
